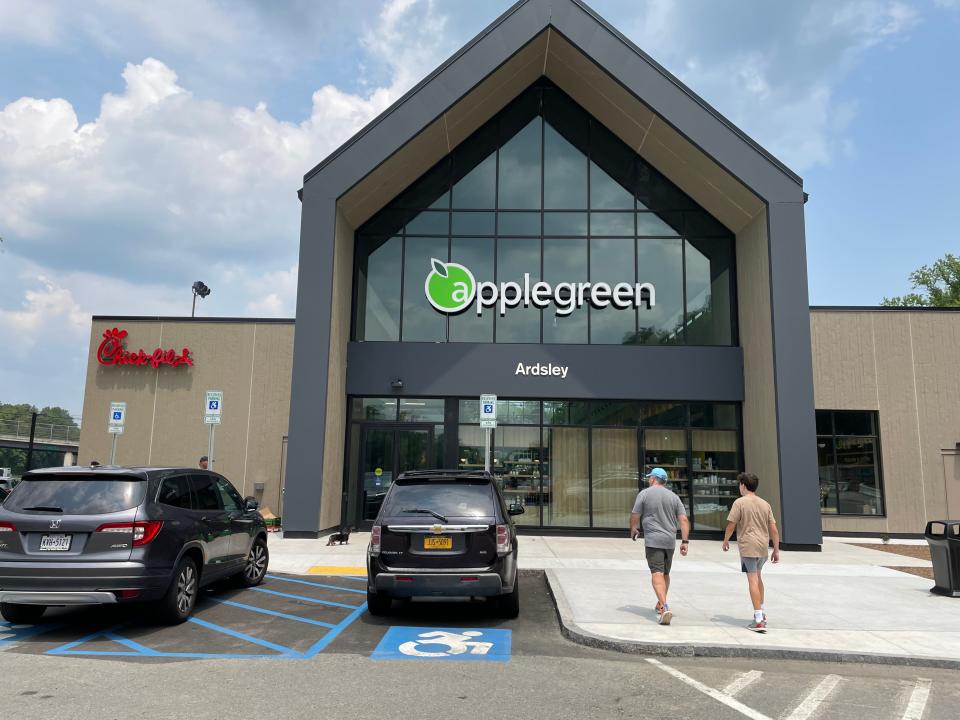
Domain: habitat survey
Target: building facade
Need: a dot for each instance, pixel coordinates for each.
(887, 417)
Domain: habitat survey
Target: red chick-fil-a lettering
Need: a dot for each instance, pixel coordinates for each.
(112, 352)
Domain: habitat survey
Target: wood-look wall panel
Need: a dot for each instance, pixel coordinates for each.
(844, 369)
(760, 447)
(336, 410)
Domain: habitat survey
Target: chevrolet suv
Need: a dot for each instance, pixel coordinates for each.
(94, 535)
(444, 533)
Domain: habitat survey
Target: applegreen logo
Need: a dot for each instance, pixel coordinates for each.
(449, 287)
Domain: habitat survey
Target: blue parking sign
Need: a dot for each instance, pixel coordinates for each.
(117, 415)
(214, 404)
(464, 644)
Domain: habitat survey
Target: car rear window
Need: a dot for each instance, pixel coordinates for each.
(450, 499)
(80, 495)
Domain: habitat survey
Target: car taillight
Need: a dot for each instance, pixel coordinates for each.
(7, 527)
(143, 532)
(375, 540)
(503, 540)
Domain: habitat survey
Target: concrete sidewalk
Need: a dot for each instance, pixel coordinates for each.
(841, 604)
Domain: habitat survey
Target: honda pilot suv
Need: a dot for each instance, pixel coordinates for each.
(444, 533)
(94, 535)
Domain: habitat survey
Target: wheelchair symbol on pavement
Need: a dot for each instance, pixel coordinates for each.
(403, 643)
(456, 644)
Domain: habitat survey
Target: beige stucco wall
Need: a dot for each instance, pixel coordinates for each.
(250, 362)
(760, 449)
(904, 365)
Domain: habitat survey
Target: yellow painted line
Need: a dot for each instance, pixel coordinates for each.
(336, 570)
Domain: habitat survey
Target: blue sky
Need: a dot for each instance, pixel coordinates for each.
(146, 145)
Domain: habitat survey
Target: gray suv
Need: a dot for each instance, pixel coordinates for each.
(94, 535)
(444, 533)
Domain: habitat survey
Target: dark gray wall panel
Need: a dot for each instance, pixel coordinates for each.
(594, 371)
(308, 399)
(793, 374)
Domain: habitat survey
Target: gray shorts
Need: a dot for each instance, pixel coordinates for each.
(752, 564)
(659, 560)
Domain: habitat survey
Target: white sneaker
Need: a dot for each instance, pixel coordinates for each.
(665, 617)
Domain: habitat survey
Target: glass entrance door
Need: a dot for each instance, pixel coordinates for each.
(386, 452)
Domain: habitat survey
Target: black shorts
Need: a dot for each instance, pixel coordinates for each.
(659, 560)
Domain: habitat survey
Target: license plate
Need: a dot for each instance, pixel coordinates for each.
(438, 543)
(55, 543)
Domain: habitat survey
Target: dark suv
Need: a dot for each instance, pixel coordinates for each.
(91, 535)
(445, 533)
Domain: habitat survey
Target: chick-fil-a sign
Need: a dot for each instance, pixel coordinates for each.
(112, 352)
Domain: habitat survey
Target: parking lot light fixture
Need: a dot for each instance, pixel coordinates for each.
(199, 288)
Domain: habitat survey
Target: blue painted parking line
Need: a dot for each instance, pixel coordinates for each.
(241, 636)
(318, 646)
(132, 648)
(10, 634)
(412, 643)
(319, 585)
(68, 648)
(306, 599)
(264, 611)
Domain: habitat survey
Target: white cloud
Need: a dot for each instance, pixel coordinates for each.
(774, 69)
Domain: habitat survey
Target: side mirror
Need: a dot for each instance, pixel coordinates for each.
(515, 509)
(251, 504)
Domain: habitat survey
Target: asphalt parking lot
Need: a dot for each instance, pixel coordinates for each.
(299, 644)
(286, 618)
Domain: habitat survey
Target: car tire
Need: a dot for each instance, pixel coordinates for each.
(255, 568)
(508, 606)
(181, 597)
(379, 604)
(17, 614)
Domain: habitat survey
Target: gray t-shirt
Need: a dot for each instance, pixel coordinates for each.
(660, 511)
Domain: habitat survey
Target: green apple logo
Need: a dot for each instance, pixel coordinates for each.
(449, 287)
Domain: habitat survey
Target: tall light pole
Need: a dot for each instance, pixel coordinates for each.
(198, 289)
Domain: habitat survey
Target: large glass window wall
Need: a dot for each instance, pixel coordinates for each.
(580, 464)
(543, 190)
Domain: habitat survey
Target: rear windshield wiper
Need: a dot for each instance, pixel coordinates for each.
(45, 508)
(424, 511)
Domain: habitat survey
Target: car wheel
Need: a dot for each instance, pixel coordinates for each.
(181, 597)
(255, 568)
(378, 604)
(508, 606)
(16, 614)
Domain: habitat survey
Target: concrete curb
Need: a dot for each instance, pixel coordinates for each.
(573, 632)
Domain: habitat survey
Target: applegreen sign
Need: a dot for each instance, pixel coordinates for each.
(449, 287)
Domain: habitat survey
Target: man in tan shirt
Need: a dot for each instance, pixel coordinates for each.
(752, 518)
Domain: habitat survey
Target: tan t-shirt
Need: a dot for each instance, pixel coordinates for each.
(752, 515)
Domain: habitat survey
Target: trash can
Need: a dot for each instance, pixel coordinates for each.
(943, 537)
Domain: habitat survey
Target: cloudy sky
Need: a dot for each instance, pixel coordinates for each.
(147, 145)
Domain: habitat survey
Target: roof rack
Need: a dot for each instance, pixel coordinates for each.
(445, 473)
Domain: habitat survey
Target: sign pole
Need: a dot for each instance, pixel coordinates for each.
(113, 450)
(486, 449)
(211, 426)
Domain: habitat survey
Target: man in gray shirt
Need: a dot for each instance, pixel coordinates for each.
(659, 510)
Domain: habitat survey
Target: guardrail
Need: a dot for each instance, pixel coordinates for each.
(44, 431)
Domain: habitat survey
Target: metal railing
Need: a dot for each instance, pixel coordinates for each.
(44, 432)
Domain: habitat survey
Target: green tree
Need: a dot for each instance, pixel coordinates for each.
(939, 285)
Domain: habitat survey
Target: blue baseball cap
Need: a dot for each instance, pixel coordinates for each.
(659, 473)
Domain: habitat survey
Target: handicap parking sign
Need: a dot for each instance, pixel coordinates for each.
(214, 404)
(418, 643)
(117, 415)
